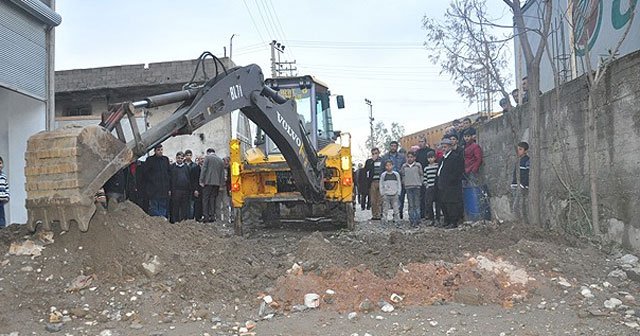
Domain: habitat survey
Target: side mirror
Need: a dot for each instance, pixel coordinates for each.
(340, 101)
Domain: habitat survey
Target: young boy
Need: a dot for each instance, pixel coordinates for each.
(390, 186)
(520, 181)
(411, 174)
(4, 194)
(429, 181)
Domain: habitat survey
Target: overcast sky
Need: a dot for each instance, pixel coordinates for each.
(361, 49)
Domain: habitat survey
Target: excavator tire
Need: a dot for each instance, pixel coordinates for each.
(64, 170)
(344, 216)
(250, 215)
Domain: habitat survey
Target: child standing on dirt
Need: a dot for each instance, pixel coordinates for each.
(520, 182)
(411, 173)
(429, 180)
(390, 186)
(4, 194)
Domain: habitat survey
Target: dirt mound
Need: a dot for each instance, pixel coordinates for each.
(132, 267)
(417, 283)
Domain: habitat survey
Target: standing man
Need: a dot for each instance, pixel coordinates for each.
(398, 160)
(449, 185)
(363, 187)
(421, 157)
(188, 161)
(156, 177)
(466, 129)
(4, 194)
(181, 189)
(374, 168)
(211, 178)
(197, 192)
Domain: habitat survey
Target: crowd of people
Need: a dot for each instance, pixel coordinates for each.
(431, 179)
(178, 190)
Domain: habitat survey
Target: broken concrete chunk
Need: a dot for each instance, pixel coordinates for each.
(80, 282)
(628, 259)
(312, 300)
(612, 303)
(27, 247)
(152, 267)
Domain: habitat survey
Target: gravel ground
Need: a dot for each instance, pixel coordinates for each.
(136, 275)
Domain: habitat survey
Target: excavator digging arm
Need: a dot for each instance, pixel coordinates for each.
(65, 168)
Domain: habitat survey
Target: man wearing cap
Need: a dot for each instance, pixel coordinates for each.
(449, 185)
(156, 177)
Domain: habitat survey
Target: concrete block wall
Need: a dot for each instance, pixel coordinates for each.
(564, 158)
(134, 75)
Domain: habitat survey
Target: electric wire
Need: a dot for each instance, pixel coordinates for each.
(254, 22)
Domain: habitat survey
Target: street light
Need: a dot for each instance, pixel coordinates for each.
(371, 119)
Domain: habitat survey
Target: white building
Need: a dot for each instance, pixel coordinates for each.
(593, 25)
(26, 87)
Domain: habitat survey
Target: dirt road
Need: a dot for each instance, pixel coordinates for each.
(135, 275)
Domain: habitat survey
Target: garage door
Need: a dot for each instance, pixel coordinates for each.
(22, 51)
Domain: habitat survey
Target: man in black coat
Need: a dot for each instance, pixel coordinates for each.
(363, 187)
(181, 189)
(449, 185)
(156, 177)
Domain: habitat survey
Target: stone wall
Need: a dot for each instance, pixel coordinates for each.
(98, 87)
(564, 158)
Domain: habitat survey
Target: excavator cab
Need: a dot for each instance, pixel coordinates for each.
(312, 99)
(263, 190)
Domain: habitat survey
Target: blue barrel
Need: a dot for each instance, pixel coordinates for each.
(476, 203)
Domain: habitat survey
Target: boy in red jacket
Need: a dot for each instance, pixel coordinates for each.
(472, 157)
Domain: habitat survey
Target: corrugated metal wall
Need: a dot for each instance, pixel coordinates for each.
(23, 55)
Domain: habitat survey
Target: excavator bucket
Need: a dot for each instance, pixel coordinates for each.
(65, 169)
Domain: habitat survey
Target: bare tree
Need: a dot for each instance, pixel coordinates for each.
(533, 58)
(383, 135)
(594, 78)
(470, 49)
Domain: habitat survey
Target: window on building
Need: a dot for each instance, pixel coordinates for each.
(77, 110)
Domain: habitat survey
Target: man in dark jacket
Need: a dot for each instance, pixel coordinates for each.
(188, 161)
(181, 189)
(156, 177)
(449, 185)
(197, 192)
(115, 187)
(363, 187)
(211, 179)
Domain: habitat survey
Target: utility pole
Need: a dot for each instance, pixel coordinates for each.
(277, 68)
(368, 102)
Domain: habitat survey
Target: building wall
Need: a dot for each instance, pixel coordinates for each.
(563, 155)
(20, 117)
(98, 87)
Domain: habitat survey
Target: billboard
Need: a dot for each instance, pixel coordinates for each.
(579, 28)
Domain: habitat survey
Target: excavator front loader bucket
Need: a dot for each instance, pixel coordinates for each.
(65, 169)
